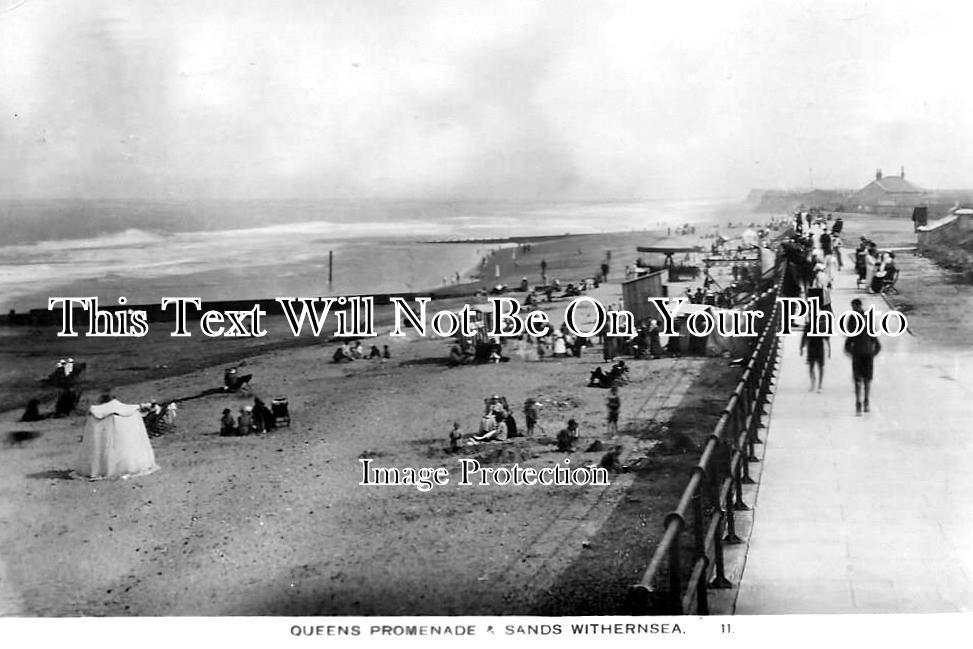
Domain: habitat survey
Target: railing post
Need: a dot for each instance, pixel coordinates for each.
(742, 449)
(702, 598)
(720, 580)
(699, 534)
(675, 581)
(731, 531)
(739, 505)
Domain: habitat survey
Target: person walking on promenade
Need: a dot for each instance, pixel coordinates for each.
(614, 403)
(863, 349)
(816, 345)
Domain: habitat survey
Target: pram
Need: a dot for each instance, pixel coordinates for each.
(280, 411)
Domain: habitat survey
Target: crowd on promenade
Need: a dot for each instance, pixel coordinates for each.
(815, 260)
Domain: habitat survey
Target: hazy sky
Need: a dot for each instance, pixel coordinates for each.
(489, 99)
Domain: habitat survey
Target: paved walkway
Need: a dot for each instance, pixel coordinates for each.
(870, 514)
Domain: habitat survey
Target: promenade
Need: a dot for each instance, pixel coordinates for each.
(871, 513)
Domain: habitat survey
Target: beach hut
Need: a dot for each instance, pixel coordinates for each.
(115, 444)
(636, 293)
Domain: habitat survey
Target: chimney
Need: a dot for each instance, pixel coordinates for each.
(878, 174)
(902, 173)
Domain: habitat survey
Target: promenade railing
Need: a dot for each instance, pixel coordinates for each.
(688, 561)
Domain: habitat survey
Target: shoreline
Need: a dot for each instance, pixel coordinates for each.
(115, 362)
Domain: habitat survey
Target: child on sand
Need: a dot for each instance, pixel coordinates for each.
(567, 437)
(614, 403)
(530, 415)
(454, 437)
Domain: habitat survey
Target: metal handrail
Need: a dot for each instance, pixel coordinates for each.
(723, 467)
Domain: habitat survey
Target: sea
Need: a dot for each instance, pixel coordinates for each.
(252, 250)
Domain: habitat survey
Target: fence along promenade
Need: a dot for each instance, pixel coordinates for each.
(682, 570)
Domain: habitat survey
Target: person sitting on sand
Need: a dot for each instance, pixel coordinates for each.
(488, 422)
(374, 353)
(498, 433)
(67, 400)
(342, 354)
(358, 351)
(385, 353)
(456, 356)
(32, 412)
(571, 291)
(244, 423)
(619, 372)
(566, 437)
(233, 380)
(610, 460)
(227, 424)
(598, 379)
(496, 351)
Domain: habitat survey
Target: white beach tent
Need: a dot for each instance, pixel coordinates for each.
(115, 443)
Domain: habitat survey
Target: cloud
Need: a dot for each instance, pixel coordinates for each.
(471, 99)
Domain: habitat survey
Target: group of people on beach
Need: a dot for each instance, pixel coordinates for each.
(498, 424)
(251, 420)
(347, 352)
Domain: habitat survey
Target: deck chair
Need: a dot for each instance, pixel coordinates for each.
(888, 282)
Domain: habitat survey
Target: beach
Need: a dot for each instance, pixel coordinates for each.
(277, 524)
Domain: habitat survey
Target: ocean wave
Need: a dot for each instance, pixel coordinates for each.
(370, 255)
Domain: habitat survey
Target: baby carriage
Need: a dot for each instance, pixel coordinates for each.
(280, 411)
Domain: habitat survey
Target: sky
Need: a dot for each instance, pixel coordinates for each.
(444, 100)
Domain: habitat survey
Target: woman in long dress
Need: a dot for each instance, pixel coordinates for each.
(115, 444)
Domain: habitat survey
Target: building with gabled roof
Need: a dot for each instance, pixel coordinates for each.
(886, 193)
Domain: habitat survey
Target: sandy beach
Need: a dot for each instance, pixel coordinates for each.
(277, 524)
